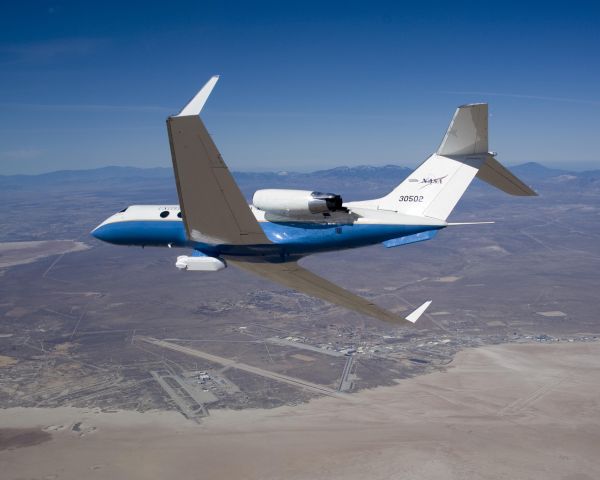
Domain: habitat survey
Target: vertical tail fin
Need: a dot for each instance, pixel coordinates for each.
(436, 186)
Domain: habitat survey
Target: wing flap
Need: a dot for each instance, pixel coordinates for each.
(293, 276)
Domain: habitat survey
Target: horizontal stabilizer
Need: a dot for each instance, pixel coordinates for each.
(454, 224)
(417, 237)
(494, 173)
(467, 133)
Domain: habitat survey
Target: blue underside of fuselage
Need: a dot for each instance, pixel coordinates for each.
(290, 239)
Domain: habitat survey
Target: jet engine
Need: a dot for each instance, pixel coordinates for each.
(296, 203)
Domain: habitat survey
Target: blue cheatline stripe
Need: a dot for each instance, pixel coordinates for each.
(292, 238)
(143, 232)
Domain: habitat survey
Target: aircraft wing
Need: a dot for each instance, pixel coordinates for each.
(213, 207)
(292, 275)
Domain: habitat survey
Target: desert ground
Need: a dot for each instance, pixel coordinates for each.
(19, 253)
(527, 411)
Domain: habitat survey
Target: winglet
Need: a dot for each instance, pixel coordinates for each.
(194, 107)
(415, 315)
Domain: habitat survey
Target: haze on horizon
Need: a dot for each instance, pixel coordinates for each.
(304, 86)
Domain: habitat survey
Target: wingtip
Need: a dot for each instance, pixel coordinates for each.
(416, 314)
(195, 105)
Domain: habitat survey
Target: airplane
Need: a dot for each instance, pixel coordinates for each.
(281, 226)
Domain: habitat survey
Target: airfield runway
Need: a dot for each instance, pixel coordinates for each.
(510, 411)
(229, 363)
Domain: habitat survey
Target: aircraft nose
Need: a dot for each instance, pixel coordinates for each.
(104, 231)
(99, 232)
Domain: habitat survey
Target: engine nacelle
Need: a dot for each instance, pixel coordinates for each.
(200, 263)
(296, 203)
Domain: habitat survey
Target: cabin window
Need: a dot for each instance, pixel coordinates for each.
(179, 214)
(164, 214)
(124, 210)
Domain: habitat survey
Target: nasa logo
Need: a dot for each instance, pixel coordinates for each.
(432, 181)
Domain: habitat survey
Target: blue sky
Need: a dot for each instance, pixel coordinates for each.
(304, 85)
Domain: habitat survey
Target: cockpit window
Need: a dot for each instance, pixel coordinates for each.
(124, 210)
(164, 214)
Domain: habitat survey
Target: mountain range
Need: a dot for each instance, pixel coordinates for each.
(529, 171)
